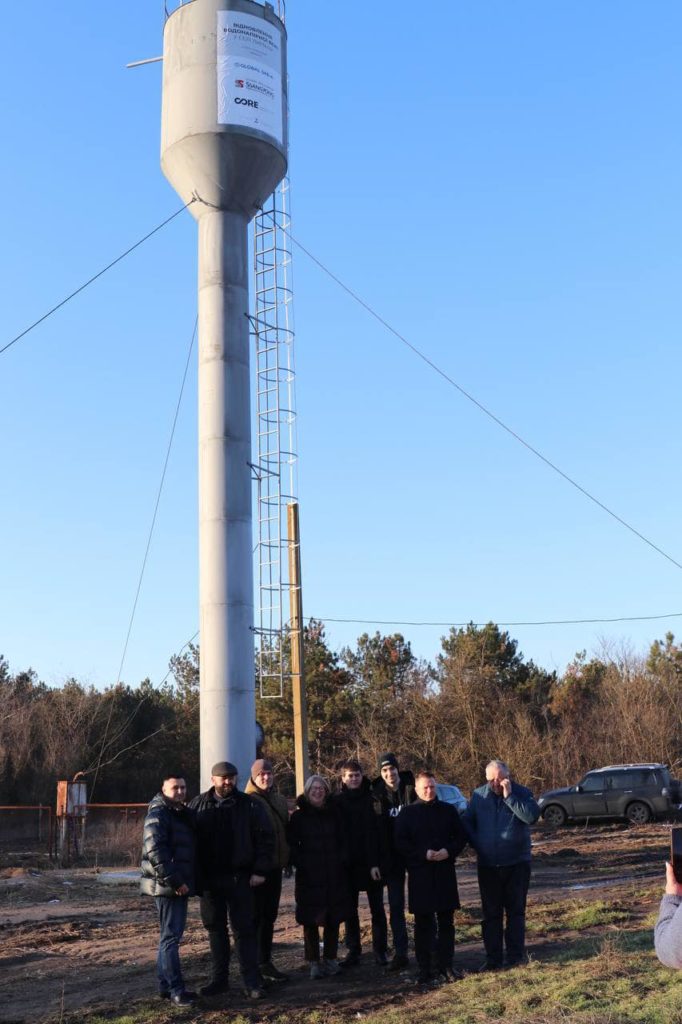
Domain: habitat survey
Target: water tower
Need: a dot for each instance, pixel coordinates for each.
(224, 145)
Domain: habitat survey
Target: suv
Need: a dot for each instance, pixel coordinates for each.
(638, 792)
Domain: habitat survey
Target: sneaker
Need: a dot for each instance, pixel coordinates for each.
(271, 973)
(381, 959)
(398, 963)
(184, 999)
(164, 993)
(316, 972)
(350, 960)
(214, 988)
(254, 991)
(424, 978)
(331, 967)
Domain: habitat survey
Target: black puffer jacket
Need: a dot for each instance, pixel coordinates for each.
(318, 852)
(168, 848)
(362, 826)
(233, 836)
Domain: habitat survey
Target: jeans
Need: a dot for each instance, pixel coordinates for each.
(235, 895)
(266, 904)
(375, 897)
(425, 940)
(395, 884)
(172, 911)
(503, 894)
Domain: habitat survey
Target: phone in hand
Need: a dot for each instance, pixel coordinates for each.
(676, 852)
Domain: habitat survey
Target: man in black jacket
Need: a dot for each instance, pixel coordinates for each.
(363, 839)
(168, 849)
(235, 852)
(429, 835)
(392, 792)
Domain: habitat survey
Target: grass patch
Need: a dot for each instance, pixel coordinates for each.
(598, 967)
(614, 986)
(558, 916)
(616, 980)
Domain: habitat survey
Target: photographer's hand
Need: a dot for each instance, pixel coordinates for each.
(672, 886)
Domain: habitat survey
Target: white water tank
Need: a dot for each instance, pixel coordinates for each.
(224, 131)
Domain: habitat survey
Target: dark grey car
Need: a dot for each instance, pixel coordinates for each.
(638, 792)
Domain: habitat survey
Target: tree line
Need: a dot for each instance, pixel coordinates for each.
(479, 699)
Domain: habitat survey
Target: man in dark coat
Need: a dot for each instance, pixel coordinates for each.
(168, 854)
(393, 791)
(429, 835)
(235, 852)
(267, 896)
(362, 826)
(498, 821)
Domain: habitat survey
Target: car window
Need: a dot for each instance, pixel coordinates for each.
(592, 783)
(630, 779)
(622, 780)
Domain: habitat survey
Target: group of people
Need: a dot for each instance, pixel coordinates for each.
(231, 848)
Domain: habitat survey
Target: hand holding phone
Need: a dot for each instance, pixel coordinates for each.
(676, 853)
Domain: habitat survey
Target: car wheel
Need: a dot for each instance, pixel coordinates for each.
(638, 813)
(554, 815)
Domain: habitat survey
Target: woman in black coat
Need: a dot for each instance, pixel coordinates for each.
(316, 838)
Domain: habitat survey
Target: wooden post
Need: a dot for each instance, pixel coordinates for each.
(296, 641)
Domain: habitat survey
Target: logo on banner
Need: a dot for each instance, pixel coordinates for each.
(239, 82)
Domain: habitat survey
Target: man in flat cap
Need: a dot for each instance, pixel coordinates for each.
(235, 852)
(267, 896)
(392, 791)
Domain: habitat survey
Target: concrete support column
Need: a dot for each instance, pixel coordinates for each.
(228, 701)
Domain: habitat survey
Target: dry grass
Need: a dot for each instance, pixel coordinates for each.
(113, 843)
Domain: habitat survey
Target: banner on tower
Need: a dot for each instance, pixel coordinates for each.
(249, 67)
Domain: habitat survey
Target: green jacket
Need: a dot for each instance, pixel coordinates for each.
(278, 812)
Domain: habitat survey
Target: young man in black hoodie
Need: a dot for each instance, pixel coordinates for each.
(363, 838)
(393, 791)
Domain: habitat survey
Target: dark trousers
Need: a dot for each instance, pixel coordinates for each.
(426, 940)
(375, 897)
(503, 895)
(235, 896)
(172, 911)
(311, 941)
(266, 905)
(395, 884)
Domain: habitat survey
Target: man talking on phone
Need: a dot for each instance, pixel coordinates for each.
(498, 821)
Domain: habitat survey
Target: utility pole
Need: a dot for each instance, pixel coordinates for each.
(296, 641)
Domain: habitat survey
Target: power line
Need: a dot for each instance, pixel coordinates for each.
(158, 499)
(146, 553)
(90, 280)
(479, 405)
(481, 625)
(177, 655)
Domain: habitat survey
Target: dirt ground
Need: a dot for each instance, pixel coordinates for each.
(75, 942)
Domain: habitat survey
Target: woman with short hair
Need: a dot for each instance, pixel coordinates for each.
(316, 839)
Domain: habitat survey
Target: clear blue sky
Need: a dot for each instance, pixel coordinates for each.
(501, 182)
